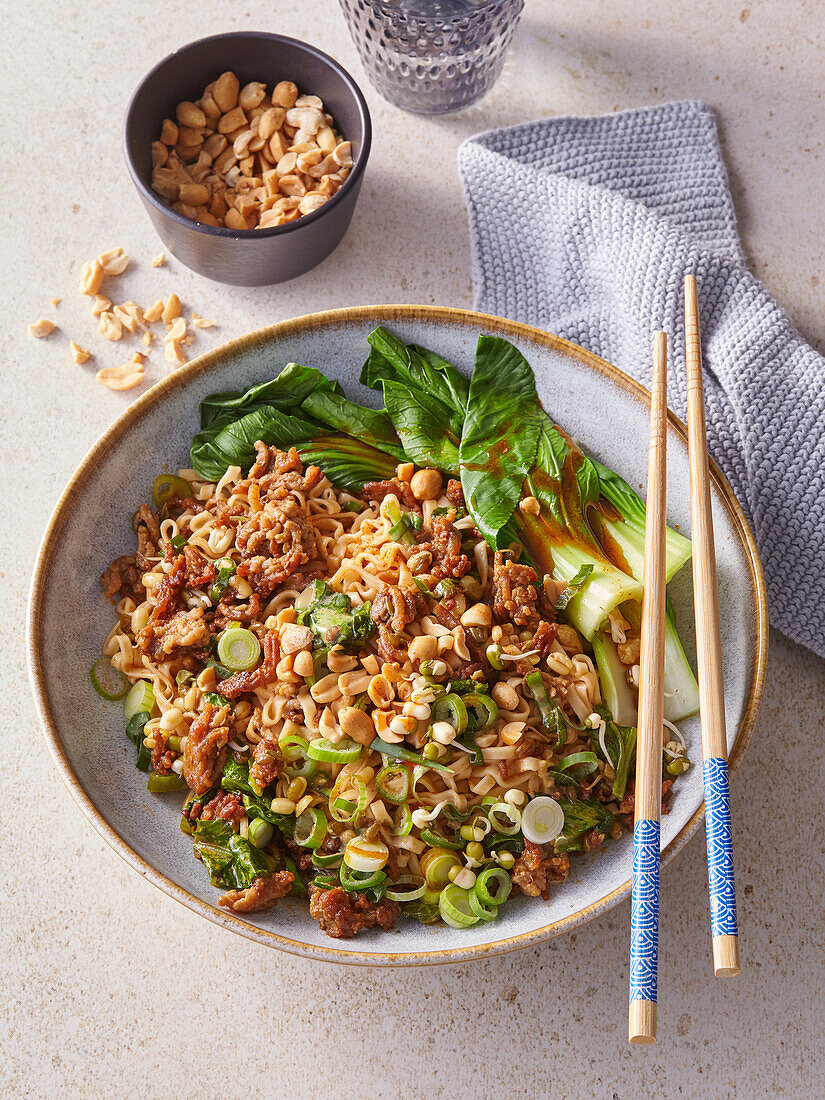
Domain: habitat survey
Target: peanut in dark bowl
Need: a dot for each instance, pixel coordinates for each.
(254, 257)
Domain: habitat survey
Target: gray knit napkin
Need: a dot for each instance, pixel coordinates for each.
(586, 227)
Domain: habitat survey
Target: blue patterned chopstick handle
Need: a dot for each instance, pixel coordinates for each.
(644, 913)
(720, 851)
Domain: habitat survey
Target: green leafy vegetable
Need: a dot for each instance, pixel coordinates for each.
(552, 716)
(371, 426)
(500, 434)
(134, 731)
(579, 817)
(333, 620)
(286, 391)
(414, 366)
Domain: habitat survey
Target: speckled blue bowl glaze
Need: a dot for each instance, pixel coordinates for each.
(68, 616)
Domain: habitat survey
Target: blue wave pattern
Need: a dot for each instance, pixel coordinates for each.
(644, 914)
(720, 849)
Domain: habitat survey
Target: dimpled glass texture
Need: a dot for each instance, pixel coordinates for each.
(432, 56)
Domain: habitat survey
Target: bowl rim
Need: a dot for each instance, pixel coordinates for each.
(222, 232)
(386, 314)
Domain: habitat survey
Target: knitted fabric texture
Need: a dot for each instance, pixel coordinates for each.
(586, 228)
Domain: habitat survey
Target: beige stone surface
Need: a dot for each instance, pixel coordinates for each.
(107, 987)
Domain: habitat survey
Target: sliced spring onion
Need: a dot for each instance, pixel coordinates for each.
(238, 649)
(226, 569)
(419, 584)
(327, 859)
(493, 886)
(504, 818)
(183, 677)
(292, 746)
(160, 784)
(326, 882)
(393, 782)
(481, 909)
(581, 763)
(402, 820)
(435, 865)
(398, 752)
(436, 840)
(178, 542)
(406, 888)
(343, 752)
(366, 855)
(108, 682)
(344, 809)
(454, 907)
(481, 711)
(310, 828)
(141, 697)
(451, 708)
(260, 832)
(360, 880)
(542, 820)
(170, 487)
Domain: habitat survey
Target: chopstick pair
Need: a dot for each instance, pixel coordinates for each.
(644, 950)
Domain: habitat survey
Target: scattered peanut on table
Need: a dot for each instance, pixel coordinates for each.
(244, 159)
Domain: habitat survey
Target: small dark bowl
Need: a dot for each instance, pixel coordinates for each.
(250, 257)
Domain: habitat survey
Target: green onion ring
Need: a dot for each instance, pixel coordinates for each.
(344, 809)
(451, 708)
(141, 697)
(344, 752)
(310, 828)
(394, 893)
(487, 879)
(436, 840)
(454, 907)
(238, 649)
(359, 880)
(494, 814)
(160, 784)
(327, 859)
(402, 819)
(585, 763)
(170, 487)
(108, 682)
(393, 782)
(481, 711)
(481, 910)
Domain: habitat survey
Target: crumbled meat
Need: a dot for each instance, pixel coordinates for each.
(162, 757)
(205, 750)
(515, 595)
(122, 579)
(455, 494)
(592, 839)
(185, 630)
(396, 606)
(227, 612)
(375, 491)
(168, 591)
(544, 637)
(262, 894)
(627, 806)
(175, 506)
(225, 805)
(538, 867)
(445, 547)
(342, 915)
(254, 677)
(266, 763)
(269, 460)
(147, 526)
(199, 570)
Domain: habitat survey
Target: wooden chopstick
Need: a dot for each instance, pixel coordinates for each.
(644, 921)
(709, 653)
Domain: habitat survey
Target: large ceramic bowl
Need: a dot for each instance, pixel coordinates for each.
(69, 616)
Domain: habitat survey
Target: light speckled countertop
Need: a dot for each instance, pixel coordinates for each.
(111, 989)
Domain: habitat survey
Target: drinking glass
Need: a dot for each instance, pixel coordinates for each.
(432, 56)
